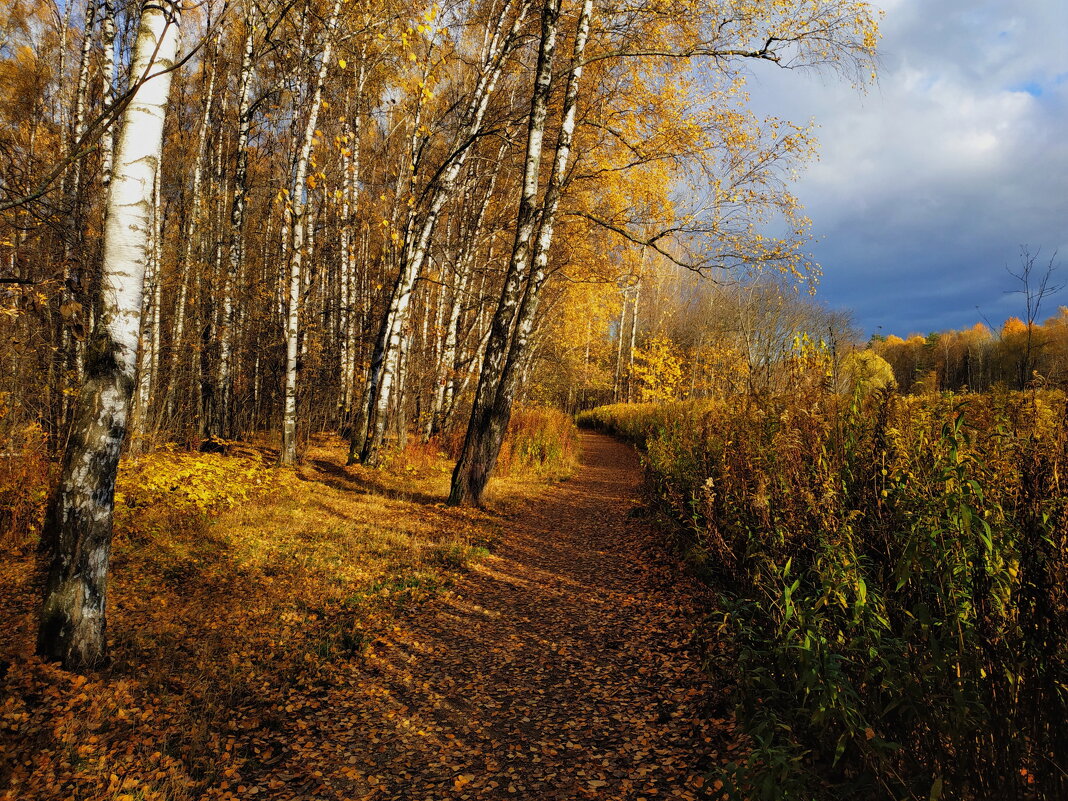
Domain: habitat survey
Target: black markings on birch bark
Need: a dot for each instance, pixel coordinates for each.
(76, 540)
(512, 326)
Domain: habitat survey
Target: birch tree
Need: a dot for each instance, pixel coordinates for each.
(511, 326)
(288, 454)
(78, 524)
(661, 36)
(416, 245)
(236, 254)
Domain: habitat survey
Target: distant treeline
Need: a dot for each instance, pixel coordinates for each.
(977, 358)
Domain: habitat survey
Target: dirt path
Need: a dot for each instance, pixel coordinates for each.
(558, 669)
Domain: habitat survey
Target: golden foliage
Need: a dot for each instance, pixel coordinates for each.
(205, 482)
(658, 370)
(224, 624)
(24, 475)
(864, 371)
(1013, 327)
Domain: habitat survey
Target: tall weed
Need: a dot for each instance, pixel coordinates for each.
(893, 581)
(540, 441)
(24, 476)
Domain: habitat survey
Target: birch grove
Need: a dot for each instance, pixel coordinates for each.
(389, 221)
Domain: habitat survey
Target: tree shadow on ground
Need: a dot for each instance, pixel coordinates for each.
(347, 480)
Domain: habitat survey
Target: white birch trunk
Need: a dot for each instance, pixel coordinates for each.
(107, 42)
(81, 98)
(288, 454)
(236, 236)
(496, 392)
(59, 108)
(443, 403)
(73, 296)
(633, 333)
(550, 207)
(468, 474)
(619, 348)
(347, 288)
(77, 531)
(145, 377)
(416, 247)
(185, 266)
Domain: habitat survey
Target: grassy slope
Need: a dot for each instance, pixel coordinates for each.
(222, 618)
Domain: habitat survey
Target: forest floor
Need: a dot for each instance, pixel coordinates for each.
(560, 664)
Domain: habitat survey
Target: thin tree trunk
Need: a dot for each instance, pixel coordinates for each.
(464, 264)
(155, 327)
(211, 305)
(288, 454)
(237, 239)
(59, 107)
(81, 98)
(416, 247)
(619, 348)
(74, 295)
(145, 377)
(479, 455)
(347, 319)
(185, 265)
(633, 334)
(107, 41)
(77, 531)
(399, 411)
(57, 362)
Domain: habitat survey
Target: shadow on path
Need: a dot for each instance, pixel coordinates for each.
(559, 668)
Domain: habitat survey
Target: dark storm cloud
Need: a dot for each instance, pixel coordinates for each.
(928, 184)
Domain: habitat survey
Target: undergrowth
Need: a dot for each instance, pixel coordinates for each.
(893, 574)
(236, 590)
(540, 442)
(25, 474)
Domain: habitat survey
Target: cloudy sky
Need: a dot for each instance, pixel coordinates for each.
(928, 184)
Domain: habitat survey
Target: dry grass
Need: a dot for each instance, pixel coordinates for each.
(892, 576)
(219, 618)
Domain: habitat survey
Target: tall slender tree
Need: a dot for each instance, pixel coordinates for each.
(299, 203)
(77, 532)
(512, 327)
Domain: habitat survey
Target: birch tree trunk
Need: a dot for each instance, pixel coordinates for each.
(145, 368)
(476, 462)
(417, 242)
(185, 266)
(73, 296)
(107, 41)
(347, 321)
(446, 385)
(634, 331)
(81, 108)
(288, 454)
(237, 240)
(76, 536)
(619, 347)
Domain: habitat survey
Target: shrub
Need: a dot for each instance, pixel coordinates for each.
(540, 441)
(186, 481)
(24, 477)
(893, 580)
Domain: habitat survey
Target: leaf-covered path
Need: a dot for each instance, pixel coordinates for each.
(559, 668)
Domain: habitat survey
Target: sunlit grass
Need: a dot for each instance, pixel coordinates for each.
(233, 585)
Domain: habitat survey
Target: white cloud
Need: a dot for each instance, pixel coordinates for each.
(928, 184)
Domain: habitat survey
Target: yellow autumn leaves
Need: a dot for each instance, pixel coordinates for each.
(204, 482)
